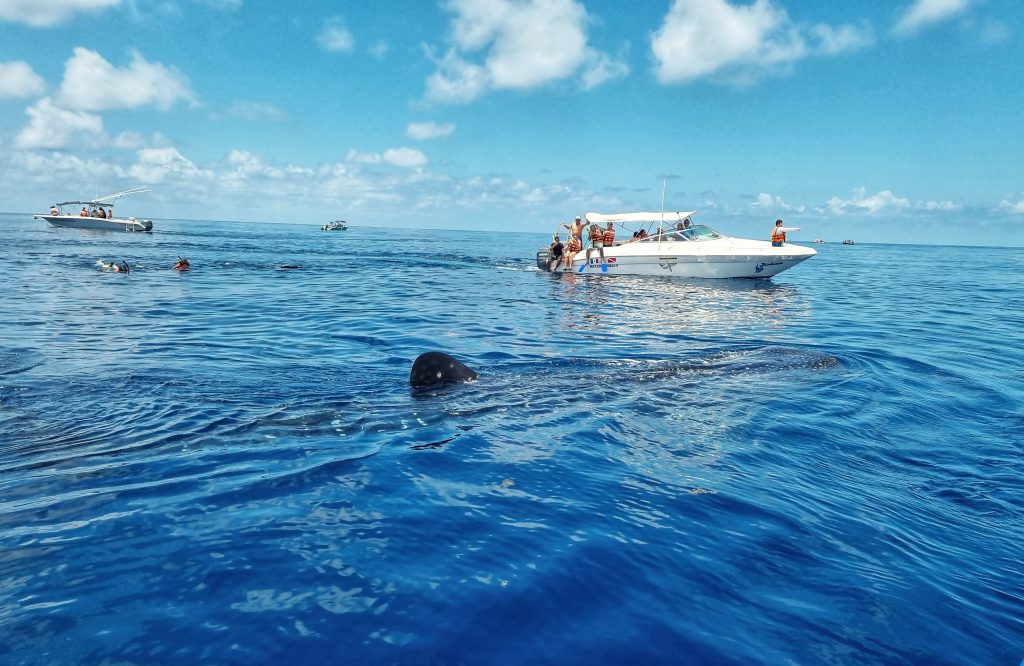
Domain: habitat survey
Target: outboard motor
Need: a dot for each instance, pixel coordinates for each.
(544, 258)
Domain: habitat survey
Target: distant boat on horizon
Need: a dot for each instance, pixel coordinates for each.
(848, 242)
(819, 241)
(336, 225)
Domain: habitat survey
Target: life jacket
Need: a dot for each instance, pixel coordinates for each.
(778, 235)
(574, 244)
(609, 236)
(596, 234)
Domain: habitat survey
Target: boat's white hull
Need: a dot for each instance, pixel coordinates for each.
(723, 258)
(112, 224)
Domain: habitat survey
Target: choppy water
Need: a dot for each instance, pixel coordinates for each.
(228, 466)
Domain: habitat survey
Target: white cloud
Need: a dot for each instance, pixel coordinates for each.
(924, 13)
(53, 127)
(400, 157)
(378, 49)
(600, 68)
(43, 13)
(495, 46)
(740, 44)
(154, 165)
(766, 201)
(93, 84)
(860, 202)
(429, 130)
(335, 36)
(456, 81)
(357, 157)
(942, 205)
(1012, 208)
(700, 37)
(405, 157)
(17, 79)
(841, 39)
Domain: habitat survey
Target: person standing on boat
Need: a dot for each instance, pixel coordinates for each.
(596, 235)
(779, 233)
(575, 230)
(555, 253)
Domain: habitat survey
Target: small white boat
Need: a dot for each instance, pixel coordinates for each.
(677, 248)
(67, 214)
(848, 242)
(336, 225)
(819, 241)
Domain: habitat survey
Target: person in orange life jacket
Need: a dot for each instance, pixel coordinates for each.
(574, 245)
(609, 235)
(596, 236)
(555, 253)
(182, 265)
(779, 233)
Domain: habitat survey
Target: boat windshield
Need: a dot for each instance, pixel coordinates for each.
(698, 232)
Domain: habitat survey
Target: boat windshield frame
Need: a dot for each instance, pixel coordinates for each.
(697, 233)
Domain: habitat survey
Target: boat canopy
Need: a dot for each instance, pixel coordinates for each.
(620, 218)
(106, 200)
(96, 202)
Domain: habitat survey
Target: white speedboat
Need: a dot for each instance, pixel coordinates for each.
(67, 214)
(336, 225)
(670, 245)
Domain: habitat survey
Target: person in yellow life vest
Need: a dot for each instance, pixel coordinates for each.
(779, 233)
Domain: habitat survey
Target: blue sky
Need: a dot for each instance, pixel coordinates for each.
(881, 121)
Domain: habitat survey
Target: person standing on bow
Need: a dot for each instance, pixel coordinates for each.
(779, 233)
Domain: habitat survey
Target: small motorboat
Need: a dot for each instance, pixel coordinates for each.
(95, 213)
(819, 241)
(669, 244)
(848, 242)
(336, 225)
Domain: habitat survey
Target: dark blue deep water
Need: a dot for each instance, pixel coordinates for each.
(229, 467)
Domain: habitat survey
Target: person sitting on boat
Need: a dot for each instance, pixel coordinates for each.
(182, 265)
(574, 246)
(84, 212)
(54, 210)
(779, 233)
(609, 236)
(555, 253)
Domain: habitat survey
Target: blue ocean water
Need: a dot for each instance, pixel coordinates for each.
(227, 466)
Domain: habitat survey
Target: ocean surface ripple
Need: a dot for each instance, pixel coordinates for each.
(227, 466)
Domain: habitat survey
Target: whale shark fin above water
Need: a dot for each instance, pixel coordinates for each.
(439, 368)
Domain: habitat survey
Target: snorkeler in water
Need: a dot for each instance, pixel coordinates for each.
(182, 264)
